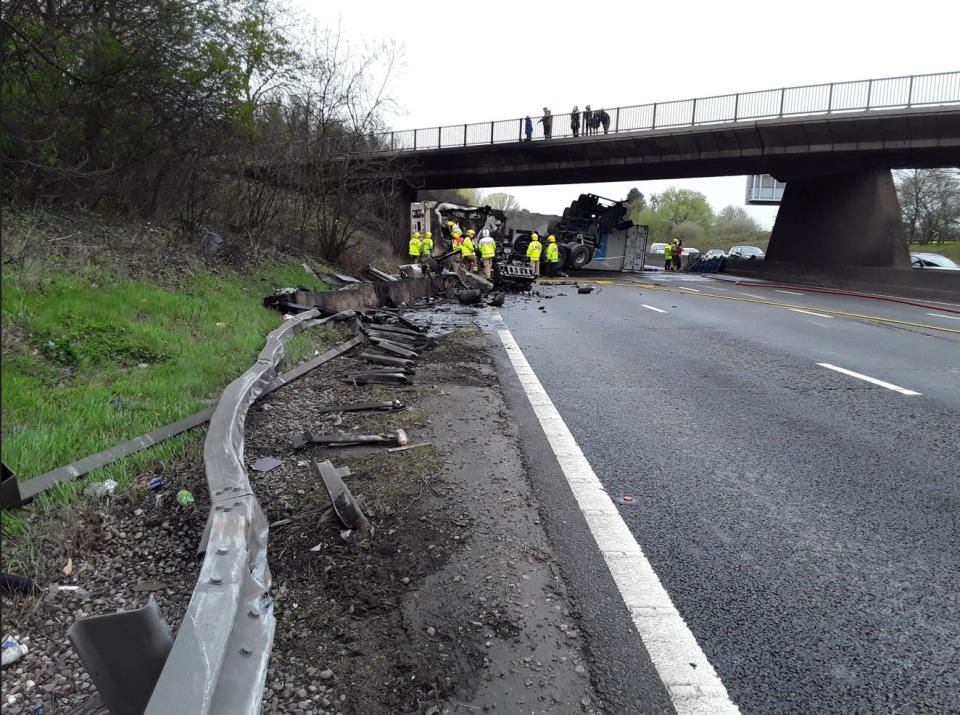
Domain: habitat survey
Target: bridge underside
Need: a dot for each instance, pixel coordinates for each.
(839, 208)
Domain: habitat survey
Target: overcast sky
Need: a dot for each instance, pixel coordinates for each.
(480, 61)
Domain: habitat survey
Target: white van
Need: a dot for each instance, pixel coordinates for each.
(657, 248)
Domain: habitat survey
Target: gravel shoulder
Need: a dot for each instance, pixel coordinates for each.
(456, 606)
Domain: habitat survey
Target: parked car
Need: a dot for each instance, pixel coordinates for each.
(691, 253)
(657, 248)
(747, 252)
(715, 253)
(933, 260)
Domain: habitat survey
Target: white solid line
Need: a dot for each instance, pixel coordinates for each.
(688, 676)
(875, 381)
(810, 312)
(693, 289)
(650, 307)
(751, 295)
(941, 315)
(791, 292)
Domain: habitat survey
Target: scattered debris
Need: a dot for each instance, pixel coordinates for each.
(496, 299)
(391, 406)
(377, 275)
(397, 438)
(68, 569)
(11, 584)
(265, 464)
(379, 378)
(395, 348)
(584, 289)
(12, 651)
(469, 297)
(185, 498)
(409, 446)
(105, 488)
(344, 504)
(144, 586)
(386, 359)
(155, 483)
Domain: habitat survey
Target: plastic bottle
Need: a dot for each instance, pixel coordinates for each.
(155, 483)
(12, 652)
(185, 498)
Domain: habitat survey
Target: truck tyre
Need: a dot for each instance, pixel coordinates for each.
(564, 254)
(579, 256)
(469, 297)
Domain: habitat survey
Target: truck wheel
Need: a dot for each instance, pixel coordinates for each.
(579, 256)
(564, 254)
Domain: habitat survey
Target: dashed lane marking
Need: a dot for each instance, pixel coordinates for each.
(690, 679)
(941, 315)
(650, 307)
(867, 378)
(790, 292)
(810, 312)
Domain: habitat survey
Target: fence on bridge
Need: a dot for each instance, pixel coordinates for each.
(836, 97)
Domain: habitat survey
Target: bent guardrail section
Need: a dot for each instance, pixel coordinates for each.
(219, 659)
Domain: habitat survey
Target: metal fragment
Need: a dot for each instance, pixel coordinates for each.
(344, 505)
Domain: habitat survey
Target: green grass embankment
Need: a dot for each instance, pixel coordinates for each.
(950, 249)
(90, 361)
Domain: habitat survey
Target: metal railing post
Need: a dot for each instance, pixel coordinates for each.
(783, 96)
(693, 114)
(464, 134)
(392, 146)
(869, 90)
(491, 132)
(616, 123)
(439, 137)
(830, 100)
(736, 106)
(653, 123)
(415, 131)
(910, 93)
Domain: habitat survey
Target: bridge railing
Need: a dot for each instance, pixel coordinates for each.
(858, 96)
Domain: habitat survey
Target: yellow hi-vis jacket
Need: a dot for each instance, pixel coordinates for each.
(426, 247)
(466, 248)
(488, 247)
(415, 244)
(553, 253)
(533, 250)
(668, 251)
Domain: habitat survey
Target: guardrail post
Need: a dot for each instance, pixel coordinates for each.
(464, 134)
(736, 106)
(653, 123)
(616, 122)
(830, 100)
(783, 96)
(693, 114)
(439, 137)
(869, 90)
(491, 132)
(415, 132)
(910, 93)
(392, 146)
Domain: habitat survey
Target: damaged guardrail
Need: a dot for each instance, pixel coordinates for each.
(219, 659)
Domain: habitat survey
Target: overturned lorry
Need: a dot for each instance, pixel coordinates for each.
(592, 230)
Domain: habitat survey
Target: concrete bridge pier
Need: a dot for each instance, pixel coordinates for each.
(850, 219)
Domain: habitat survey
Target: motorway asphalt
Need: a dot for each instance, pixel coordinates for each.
(805, 522)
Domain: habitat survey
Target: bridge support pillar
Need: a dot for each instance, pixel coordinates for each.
(843, 219)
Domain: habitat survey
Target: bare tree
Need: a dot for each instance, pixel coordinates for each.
(930, 203)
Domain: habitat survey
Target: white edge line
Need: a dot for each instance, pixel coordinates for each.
(941, 315)
(688, 676)
(867, 378)
(650, 307)
(693, 289)
(810, 312)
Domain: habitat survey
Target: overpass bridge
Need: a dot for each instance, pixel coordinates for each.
(833, 143)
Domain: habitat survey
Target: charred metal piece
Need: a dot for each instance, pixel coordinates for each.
(344, 505)
(379, 378)
(469, 297)
(377, 274)
(400, 331)
(398, 438)
(496, 299)
(391, 406)
(387, 360)
(395, 348)
(584, 289)
(409, 324)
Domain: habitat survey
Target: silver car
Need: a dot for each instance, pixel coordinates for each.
(933, 260)
(747, 252)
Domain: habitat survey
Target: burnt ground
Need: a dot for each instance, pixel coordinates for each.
(455, 606)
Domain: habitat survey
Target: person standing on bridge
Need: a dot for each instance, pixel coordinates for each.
(533, 253)
(414, 247)
(488, 249)
(553, 256)
(587, 120)
(575, 121)
(605, 120)
(547, 121)
(426, 247)
(528, 128)
(668, 257)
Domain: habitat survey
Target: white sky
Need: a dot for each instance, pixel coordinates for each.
(475, 62)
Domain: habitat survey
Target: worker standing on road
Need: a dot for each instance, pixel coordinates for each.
(468, 253)
(533, 253)
(553, 255)
(426, 247)
(488, 249)
(415, 245)
(668, 257)
(677, 252)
